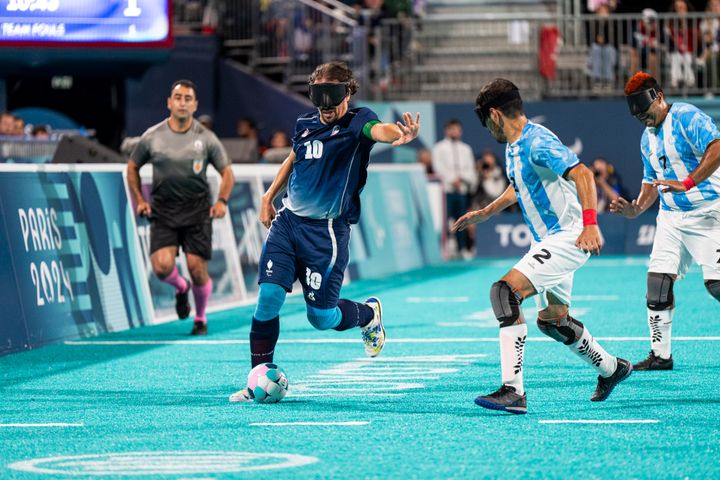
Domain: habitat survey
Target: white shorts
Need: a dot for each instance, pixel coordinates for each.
(550, 266)
(682, 237)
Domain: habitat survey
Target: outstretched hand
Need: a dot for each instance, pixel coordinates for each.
(669, 186)
(470, 218)
(625, 208)
(409, 129)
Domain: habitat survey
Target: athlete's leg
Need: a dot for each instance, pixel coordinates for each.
(713, 288)
(201, 285)
(164, 242)
(555, 322)
(196, 241)
(669, 261)
(265, 327)
(506, 295)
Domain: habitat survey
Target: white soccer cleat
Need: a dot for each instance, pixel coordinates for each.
(242, 396)
(373, 334)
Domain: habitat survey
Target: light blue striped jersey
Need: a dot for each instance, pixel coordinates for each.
(674, 149)
(535, 165)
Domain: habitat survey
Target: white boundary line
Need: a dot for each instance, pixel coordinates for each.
(308, 424)
(39, 425)
(324, 341)
(598, 421)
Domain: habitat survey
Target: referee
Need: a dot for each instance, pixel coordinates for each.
(180, 149)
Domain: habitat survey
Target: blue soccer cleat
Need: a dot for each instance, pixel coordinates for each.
(505, 399)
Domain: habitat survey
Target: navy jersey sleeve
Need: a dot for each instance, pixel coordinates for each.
(364, 116)
(549, 152)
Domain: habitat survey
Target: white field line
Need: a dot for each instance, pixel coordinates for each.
(437, 299)
(599, 422)
(342, 394)
(39, 425)
(327, 341)
(308, 424)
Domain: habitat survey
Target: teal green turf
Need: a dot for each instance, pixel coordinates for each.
(174, 397)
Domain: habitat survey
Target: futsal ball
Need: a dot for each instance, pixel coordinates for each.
(267, 383)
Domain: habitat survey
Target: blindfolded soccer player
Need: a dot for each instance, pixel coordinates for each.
(546, 180)
(681, 157)
(309, 236)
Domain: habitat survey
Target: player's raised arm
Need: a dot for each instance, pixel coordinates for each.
(267, 210)
(398, 133)
(590, 239)
(647, 197)
(506, 199)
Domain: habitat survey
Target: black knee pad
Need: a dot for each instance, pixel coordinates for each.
(566, 330)
(660, 291)
(505, 304)
(713, 286)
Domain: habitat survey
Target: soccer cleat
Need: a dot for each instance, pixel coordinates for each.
(182, 302)
(373, 334)
(242, 396)
(506, 399)
(654, 362)
(605, 385)
(199, 328)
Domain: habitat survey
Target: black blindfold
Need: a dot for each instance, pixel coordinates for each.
(484, 112)
(639, 102)
(328, 95)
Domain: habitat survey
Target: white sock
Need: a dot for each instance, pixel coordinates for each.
(512, 349)
(589, 350)
(660, 324)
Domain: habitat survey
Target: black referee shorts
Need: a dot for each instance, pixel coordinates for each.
(195, 239)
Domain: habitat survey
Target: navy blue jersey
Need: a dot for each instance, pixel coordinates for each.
(330, 167)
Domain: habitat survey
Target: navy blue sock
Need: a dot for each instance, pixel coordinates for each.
(263, 337)
(354, 314)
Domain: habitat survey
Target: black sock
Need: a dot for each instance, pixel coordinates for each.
(354, 314)
(263, 337)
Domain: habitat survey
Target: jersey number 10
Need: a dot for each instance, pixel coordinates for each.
(313, 149)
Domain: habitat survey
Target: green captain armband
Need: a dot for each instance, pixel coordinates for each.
(368, 126)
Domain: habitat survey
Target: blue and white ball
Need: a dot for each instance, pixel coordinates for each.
(267, 383)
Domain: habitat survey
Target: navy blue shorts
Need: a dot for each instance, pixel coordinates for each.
(314, 251)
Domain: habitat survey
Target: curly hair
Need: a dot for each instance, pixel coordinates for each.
(338, 71)
(641, 81)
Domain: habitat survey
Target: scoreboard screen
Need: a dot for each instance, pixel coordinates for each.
(72, 23)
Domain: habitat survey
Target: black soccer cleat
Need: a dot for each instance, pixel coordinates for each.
(182, 303)
(199, 328)
(605, 385)
(654, 362)
(505, 400)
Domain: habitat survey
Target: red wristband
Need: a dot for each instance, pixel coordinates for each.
(688, 182)
(589, 217)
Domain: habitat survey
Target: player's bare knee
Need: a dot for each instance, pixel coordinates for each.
(162, 268)
(506, 304)
(564, 329)
(713, 287)
(660, 291)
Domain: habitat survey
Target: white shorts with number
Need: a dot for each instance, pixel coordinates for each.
(682, 237)
(550, 266)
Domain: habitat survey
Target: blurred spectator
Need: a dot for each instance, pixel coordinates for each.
(682, 33)
(373, 13)
(275, 24)
(40, 132)
(594, 5)
(206, 121)
(454, 163)
(279, 148)
(244, 149)
(18, 127)
(644, 54)
(7, 123)
(710, 45)
(424, 157)
(602, 39)
(608, 183)
(491, 180)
